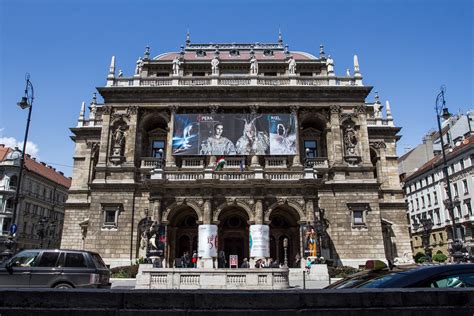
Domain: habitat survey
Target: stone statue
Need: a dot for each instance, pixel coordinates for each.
(120, 74)
(377, 110)
(215, 65)
(350, 141)
(118, 141)
(330, 64)
(253, 66)
(291, 65)
(176, 64)
(138, 67)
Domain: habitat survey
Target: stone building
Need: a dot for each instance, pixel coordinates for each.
(307, 160)
(43, 194)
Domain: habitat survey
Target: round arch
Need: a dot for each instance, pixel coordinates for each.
(288, 205)
(242, 205)
(176, 207)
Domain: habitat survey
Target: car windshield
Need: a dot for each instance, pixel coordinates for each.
(24, 259)
(380, 280)
(353, 281)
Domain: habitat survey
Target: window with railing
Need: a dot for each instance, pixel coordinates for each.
(465, 186)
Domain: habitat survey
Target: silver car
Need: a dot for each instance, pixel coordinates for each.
(55, 268)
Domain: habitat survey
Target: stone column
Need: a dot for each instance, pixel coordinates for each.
(156, 217)
(259, 236)
(363, 135)
(335, 112)
(207, 239)
(296, 158)
(170, 161)
(130, 143)
(254, 163)
(104, 136)
(310, 211)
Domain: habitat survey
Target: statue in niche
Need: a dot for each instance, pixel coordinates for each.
(253, 66)
(118, 141)
(176, 64)
(350, 141)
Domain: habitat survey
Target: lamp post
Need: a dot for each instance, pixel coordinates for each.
(427, 225)
(285, 247)
(25, 103)
(442, 111)
(42, 229)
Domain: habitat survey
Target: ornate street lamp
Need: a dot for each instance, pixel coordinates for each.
(442, 111)
(427, 225)
(25, 103)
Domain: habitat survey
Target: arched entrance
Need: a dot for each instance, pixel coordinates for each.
(233, 234)
(182, 234)
(284, 224)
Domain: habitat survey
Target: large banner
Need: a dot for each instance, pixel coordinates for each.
(234, 134)
(207, 242)
(259, 241)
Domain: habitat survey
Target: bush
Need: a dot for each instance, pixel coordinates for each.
(341, 271)
(419, 257)
(440, 257)
(125, 272)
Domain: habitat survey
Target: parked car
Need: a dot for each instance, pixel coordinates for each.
(55, 268)
(378, 275)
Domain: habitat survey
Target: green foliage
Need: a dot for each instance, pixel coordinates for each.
(140, 260)
(419, 257)
(341, 271)
(125, 272)
(440, 257)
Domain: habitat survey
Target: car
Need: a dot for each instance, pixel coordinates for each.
(378, 275)
(55, 268)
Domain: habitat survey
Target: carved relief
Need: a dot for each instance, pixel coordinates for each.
(378, 144)
(253, 108)
(213, 108)
(107, 110)
(132, 110)
(361, 109)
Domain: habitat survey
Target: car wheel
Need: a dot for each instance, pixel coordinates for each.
(63, 286)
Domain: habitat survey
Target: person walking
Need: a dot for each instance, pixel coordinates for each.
(245, 264)
(195, 259)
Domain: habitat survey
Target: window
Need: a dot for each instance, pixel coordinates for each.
(435, 198)
(111, 213)
(458, 211)
(358, 217)
(429, 199)
(472, 160)
(432, 178)
(199, 74)
(423, 202)
(461, 163)
(417, 204)
(310, 148)
(436, 219)
(465, 187)
(75, 260)
(452, 169)
(454, 280)
(48, 259)
(25, 259)
(468, 207)
(158, 148)
(455, 189)
(270, 74)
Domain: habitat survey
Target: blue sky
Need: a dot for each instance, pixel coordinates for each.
(406, 49)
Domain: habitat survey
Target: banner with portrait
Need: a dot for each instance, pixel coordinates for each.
(234, 134)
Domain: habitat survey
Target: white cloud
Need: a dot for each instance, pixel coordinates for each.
(31, 148)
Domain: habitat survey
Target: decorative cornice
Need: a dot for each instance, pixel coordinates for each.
(361, 109)
(213, 108)
(378, 144)
(107, 110)
(132, 110)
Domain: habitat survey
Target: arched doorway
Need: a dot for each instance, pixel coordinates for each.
(233, 233)
(182, 234)
(284, 224)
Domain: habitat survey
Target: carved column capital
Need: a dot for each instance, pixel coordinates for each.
(173, 108)
(213, 108)
(335, 109)
(132, 110)
(253, 108)
(360, 109)
(294, 108)
(107, 110)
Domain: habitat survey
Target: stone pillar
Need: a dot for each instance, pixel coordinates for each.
(258, 212)
(335, 112)
(259, 236)
(104, 136)
(156, 217)
(363, 136)
(130, 143)
(207, 218)
(170, 161)
(296, 158)
(310, 211)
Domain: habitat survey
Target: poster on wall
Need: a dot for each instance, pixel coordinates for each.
(234, 134)
(259, 241)
(207, 243)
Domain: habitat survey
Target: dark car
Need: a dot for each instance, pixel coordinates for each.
(413, 276)
(55, 268)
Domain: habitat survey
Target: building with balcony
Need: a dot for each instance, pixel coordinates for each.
(425, 186)
(41, 199)
(305, 159)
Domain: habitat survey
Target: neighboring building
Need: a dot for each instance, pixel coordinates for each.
(303, 150)
(43, 194)
(424, 185)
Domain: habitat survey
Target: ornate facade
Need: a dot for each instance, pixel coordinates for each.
(334, 180)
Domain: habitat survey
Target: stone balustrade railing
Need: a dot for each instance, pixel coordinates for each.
(276, 162)
(242, 80)
(250, 279)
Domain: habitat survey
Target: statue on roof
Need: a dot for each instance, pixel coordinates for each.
(330, 64)
(253, 66)
(138, 67)
(291, 65)
(215, 65)
(176, 64)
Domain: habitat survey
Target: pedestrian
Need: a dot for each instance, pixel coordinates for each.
(195, 259)
(270, 263)
(297, 261)
(245, 264)
(308, 265)
(157, 263)
(258, 263)
(221, 260)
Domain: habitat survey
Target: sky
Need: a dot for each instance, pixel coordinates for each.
(406, 50)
